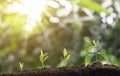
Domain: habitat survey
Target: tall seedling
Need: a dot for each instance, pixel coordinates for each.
(66, 57)
(96, 54)
(43, 57)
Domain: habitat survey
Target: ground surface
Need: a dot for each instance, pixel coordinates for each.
(96, 69)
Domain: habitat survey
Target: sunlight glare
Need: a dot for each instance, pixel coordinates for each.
(68, 8)
(33, 9)
(53, 4)
(54, 19)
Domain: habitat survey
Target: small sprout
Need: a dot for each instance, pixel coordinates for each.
(66, 56)
(95, 43)
(43, 57)
(21, 65)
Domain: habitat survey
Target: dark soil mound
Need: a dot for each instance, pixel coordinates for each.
(95, 69)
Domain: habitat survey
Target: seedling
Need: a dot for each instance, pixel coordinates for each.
(66, 56)
(96, 54)
(21, 65)
(43, 57)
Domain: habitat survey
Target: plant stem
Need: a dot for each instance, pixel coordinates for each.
(97, 57)
(43, 65)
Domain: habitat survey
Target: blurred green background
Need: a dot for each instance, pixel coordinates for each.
(27, 26)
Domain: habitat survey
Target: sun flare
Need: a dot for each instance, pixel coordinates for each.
(33, 10)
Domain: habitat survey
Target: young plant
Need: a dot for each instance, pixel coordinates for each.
(96, 54)
(21, 65)
(90, 56)
(66, 56)
(43, 57)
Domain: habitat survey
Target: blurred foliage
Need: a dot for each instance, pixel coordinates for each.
(70, 24)
(93, 6)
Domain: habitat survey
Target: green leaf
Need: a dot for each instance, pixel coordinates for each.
(104, 55)
(88, 59)
(46, 57)
(93, 6)
(65, 52)
(95, 43)
(45, 54)
(90, 48)
(21, 65)
(68, 58)
(41, 53)
(41, 58)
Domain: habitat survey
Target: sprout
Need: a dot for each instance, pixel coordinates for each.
(21, 65)
(43, 57)
(66, 56)
(96, 54)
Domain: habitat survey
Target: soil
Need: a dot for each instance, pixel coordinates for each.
(96, 69)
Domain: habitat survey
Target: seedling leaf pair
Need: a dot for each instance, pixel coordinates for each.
(21, 65)
(43, 57)
(95, 43)
(66, 56)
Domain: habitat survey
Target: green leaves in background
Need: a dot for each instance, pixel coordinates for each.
(93, 6)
